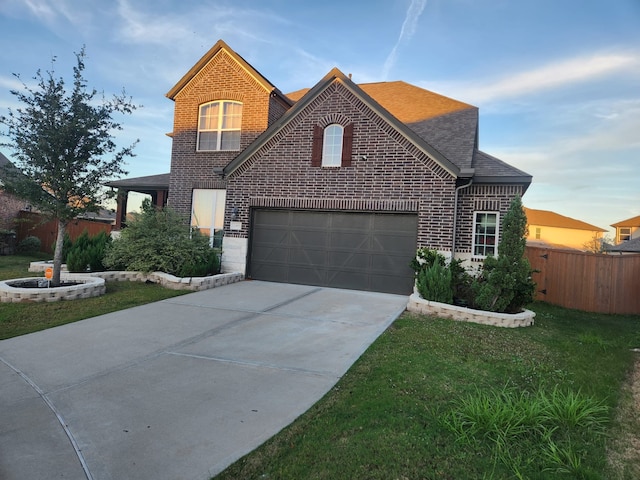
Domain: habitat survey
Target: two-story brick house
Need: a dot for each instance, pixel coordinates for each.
(336, 185)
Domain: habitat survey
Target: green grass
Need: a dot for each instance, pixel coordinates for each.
(437, 399)
(22, 318)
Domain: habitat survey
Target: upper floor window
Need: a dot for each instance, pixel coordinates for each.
(332, 146)
(624, 233)
(219, 126)
(485, 233)
(538, 233)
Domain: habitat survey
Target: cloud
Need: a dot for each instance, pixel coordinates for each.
(51, 12)
(556, 75)
(406, 32)
(10, 83)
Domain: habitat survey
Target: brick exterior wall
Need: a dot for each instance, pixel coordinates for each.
(387, 174)
(476, 198)
(221, 79)
(10, 206)
(395, 176)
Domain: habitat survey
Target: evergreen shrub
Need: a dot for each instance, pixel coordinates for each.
(162, 240)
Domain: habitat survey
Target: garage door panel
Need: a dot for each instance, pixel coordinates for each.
(365, 251)
(354, 260)
(314, 238)
(270, 253)
(309, 256)
(306, 275)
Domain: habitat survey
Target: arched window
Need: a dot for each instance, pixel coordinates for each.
(332, 145)
(219, 126)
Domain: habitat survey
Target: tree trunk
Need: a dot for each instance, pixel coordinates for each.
(57, 254)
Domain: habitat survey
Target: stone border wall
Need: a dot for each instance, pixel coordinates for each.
(417, 304)
(174, 283)
(89, 287)
(93, 284)
(164, 279)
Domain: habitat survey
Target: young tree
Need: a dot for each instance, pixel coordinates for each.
(64, 148)
(505, 283)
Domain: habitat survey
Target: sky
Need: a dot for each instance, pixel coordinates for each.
(557, 82)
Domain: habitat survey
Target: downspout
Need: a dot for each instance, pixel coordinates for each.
(455, 217)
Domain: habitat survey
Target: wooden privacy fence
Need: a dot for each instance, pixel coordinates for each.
(31, 224)
(587, 281)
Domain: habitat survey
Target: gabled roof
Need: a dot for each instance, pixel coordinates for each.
(629, 246)
(551, 219)
(448, 125)
(215, 50)
(629, 222)
(336, 75)
(489, 169)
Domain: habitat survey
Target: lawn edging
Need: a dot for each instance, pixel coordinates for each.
(164, 279)
(417, 304)
(87, 286)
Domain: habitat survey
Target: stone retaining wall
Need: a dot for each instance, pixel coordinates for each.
(417, 304)
(175, 283)
(93, 284)
(89, 287)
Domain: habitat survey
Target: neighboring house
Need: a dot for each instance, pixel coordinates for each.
(550, 229)
(631, 246)
(336, 185)
(627, 229)
(10, 205)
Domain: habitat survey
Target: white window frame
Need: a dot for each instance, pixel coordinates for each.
(219, 124)
(496, 236)
(624, 234)
(332, 143)
(207, 211)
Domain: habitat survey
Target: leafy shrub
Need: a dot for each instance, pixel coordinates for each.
(504, 283)
(161, 240)
(434, 283)
(87, 253)
(29, 244)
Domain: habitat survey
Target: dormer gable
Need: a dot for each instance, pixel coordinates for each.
(222, 52)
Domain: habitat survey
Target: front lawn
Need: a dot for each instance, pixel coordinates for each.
(21, 318)
(437, 399)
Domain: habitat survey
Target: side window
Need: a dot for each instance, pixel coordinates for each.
(538, 233)
(485, 234)
(219, 126)
(625, 234)
(332, 146)
(207, 212)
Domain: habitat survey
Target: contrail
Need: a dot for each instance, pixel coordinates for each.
(406, 32)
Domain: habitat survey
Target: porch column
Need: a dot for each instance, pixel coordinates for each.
(121, 209)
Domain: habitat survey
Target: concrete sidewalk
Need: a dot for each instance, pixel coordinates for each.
(177, 389)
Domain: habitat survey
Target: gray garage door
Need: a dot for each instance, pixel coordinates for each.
(361, 251)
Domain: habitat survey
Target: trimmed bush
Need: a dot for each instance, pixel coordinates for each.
(434, 283)
(431, 283)
(29, 244)
(87, 253)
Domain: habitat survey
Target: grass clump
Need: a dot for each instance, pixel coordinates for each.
(547, 426)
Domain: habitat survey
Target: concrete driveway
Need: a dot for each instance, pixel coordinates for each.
(177, 389)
